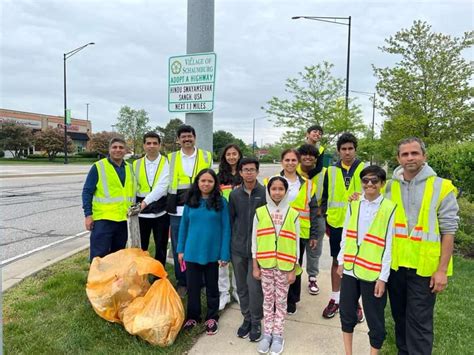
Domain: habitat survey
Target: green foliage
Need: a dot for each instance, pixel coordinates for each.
(100, 142)
(15, 138)
(51, 140)
(168, 135)
(2, 153)
(427, 93)
(315, 97)
(454, 161)
(133, 124)
(464, 240)
(91, 154)
(222, 138)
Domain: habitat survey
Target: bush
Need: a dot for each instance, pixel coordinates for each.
(37, 157)
(464, 240)
(454, 161)
(87, 154)
(2, 154)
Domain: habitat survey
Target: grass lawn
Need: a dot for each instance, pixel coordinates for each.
(454, 314)
(50, 314)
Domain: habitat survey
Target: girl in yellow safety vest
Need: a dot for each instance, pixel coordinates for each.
(364, 259)
(275, 252)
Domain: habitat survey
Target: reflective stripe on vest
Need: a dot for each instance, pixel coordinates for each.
(178, 178)
(419, 248)
(111, 200)
(365, 260)
(226, 190)
(273, 251)
(318, 180)
(338, 195)
(139, 167)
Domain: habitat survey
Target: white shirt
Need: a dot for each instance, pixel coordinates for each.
(187, 162)
(293, 189)
(367, 213)
(161, 188)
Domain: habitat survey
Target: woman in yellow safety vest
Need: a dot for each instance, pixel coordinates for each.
(229, 178)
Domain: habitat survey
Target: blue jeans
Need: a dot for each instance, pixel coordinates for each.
(174, 226)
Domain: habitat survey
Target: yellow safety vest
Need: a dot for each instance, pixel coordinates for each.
(139, 167)
(365, 260)
(283, 256)
(419, 248)
(111, 200)
(226, 190)
(318, 180)
(338, 195)
(178, 178)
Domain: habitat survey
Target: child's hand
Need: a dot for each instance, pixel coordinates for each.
(180, 257)
(379, 288)
(313, 243)
(340, 270)
(257, 273)
(354, 196)
(222, 263)
(292, 276)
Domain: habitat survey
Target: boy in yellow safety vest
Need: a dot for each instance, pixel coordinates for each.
(364, 258)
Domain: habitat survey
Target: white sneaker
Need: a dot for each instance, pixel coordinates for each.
(224, 298)
(235, 296)
(277, 345)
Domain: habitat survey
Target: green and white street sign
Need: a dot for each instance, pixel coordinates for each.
(191, 82)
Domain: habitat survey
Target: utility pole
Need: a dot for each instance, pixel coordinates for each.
(87, 112)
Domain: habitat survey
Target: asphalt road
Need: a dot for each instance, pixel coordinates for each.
(39, 210)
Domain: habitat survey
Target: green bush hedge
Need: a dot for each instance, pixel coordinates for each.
(87, 154)
(464, 240)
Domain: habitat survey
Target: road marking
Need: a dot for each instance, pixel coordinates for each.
(21, 256)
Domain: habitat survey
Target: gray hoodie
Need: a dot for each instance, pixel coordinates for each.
(412, 195)
(273, 208)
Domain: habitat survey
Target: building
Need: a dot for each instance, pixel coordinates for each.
(79, 130)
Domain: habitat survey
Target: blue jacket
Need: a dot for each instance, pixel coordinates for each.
(204, 235)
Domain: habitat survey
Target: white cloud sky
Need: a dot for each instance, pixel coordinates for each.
(258, 47)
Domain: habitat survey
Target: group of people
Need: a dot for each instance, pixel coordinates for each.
(394, 235)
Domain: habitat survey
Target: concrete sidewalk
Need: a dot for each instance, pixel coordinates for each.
(306, 332)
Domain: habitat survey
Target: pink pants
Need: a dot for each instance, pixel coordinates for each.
(275, 291)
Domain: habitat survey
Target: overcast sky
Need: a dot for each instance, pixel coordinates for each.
(257, 44)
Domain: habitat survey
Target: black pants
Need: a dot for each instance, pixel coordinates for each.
(194, 276)
(412, 306)
(294, 292)
(107, 237)
(351, 290)
(160, 227)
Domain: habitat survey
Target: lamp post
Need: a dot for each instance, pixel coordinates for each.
(336, 20)
(87, 112)
(372, 95)
(65, 57)
(253, 133)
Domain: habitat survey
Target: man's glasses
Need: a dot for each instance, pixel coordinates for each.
(249, 171)
(374, 180)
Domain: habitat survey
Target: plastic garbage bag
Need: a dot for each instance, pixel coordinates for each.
(156, 317)
(117, 279)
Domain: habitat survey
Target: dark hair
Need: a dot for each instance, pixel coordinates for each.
(412, 140)
(245, 161)
(185, 129)
(225, 170)
(151, 134)
(275, 178)
(193, 197)
(308, 149)
(117, 140)
(290, 150)
(315, 127)
(346, 138)
(374, 170)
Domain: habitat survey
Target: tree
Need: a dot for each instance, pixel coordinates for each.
(427, 92)
(133, 124)
(15, 138)
(316, 97)
(168, 135)
(51, 140)
(221, 138)
(100, 141)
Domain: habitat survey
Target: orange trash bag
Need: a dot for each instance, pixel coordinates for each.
(158, 316)
(117, 279)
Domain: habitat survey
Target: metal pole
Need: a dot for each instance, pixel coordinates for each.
(65, 113)
(87, 112)
(373, 128)
(253, 138)
(348, 63)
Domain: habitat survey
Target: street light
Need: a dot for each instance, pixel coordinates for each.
(65, 57)
(336, 20)
(87, 112)
(253, 133)
(372, 95)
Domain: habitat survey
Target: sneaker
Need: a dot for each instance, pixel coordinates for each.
(190, 324)
(235, 296)
(255, 332)
(331, 309)
(360, 314)
(291, 308)
(313, 288)
(277, 345)
(244, 329)
(264, 344)
(224, 298)
(211, 326)
(182, 291)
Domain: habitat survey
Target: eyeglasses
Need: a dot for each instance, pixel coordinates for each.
(249, 171)
(374, 180)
